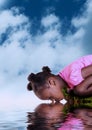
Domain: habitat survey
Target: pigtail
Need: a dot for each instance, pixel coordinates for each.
(29, 87)
(46, 69)
(31, 77)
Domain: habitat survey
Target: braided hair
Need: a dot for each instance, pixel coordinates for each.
(38, 80)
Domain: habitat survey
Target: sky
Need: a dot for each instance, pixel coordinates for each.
(41, 33)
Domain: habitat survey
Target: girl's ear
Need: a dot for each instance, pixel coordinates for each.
(51, 81)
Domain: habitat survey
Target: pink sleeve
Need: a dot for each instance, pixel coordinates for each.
(72, 73)
(75, 77)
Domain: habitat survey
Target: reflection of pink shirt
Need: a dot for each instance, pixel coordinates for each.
(72, 73)
(72, 123)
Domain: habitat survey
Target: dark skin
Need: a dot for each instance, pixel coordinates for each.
(54, 85)
(85, 87)
(52, 89)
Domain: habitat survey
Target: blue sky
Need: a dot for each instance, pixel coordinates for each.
(35, 10)
(37, 33)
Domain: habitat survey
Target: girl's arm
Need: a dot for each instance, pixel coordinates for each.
(86, 71)
(85, 87)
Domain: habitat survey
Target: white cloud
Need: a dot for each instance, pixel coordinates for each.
(22, 53)
(84, 22)
(50, 20)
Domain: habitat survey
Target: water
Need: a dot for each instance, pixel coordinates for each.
(47, 116)
(13, 120)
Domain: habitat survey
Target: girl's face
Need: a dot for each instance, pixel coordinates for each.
(53, 92)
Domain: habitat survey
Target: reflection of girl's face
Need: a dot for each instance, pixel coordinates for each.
(50, 111)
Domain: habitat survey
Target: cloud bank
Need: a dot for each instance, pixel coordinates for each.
(21, 52)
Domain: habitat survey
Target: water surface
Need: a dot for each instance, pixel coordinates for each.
(47, 116)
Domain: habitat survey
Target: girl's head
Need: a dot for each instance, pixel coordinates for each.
(46, 85)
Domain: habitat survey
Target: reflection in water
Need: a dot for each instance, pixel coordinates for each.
(13, 120)
(49, 117)
(85, 114)
(46, 117)
(59, 117)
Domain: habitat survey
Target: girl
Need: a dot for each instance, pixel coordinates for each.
(76, 77)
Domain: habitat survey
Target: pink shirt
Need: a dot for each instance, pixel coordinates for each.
(72, 73)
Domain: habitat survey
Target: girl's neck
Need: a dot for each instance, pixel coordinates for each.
(63, 83)
(63, 86)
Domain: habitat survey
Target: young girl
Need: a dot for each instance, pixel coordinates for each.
(76, 77)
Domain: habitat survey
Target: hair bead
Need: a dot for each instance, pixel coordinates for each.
(31, 77)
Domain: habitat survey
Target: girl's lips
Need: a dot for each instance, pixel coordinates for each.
(58, 100)
(55, 100)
